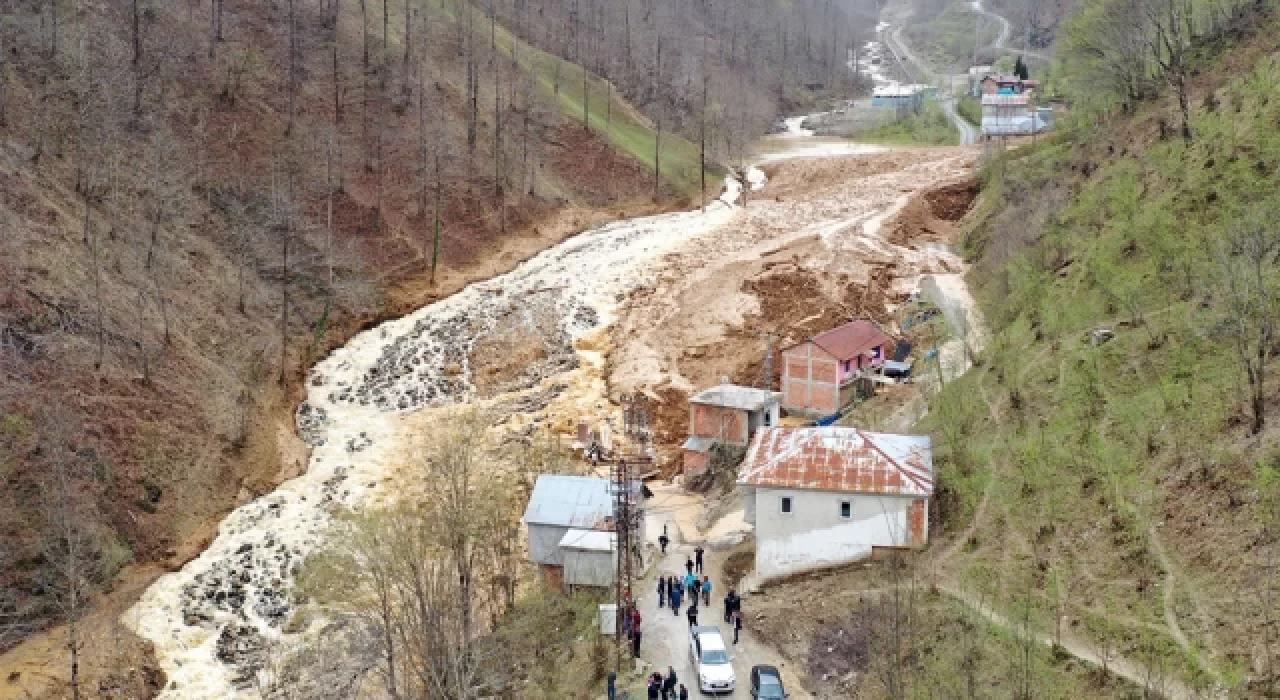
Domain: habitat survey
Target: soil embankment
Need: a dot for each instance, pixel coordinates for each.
(829, 240)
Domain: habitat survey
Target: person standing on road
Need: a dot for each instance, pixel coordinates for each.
(613, 685)
(732, 604)
(662, 590)
(688, 583)
(697, 554)
(675, 600)
(684, 693)
(737, 626)
(635, 644)
(693, 613)
(669, 684)
(653, 687)
(706, 591)
(635, 620)
(663, 540)
(697, 588)
(688, 565)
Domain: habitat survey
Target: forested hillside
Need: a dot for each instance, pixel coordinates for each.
(198, 199)
(1115, 451)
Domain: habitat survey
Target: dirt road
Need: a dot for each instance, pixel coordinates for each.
(665, 639)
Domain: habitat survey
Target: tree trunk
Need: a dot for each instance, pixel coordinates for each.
(337, 89)
(408, 39)
(435, 246)
(293, 69)
(53, 30)
(657, 142)
(284, 285)
(364, 26)
(92, 241)
(4, 70)
(137, 61)
(328, 218)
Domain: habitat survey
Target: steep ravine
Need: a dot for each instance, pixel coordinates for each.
(213, 622)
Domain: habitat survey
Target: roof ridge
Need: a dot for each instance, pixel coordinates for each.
(909, 473)
(772, 461)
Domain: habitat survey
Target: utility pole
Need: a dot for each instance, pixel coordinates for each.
(766, 372)
(627, 511)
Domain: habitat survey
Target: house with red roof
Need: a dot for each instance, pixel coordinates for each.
(826, 496)
(819, 376)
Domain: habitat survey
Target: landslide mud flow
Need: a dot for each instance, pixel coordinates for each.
(531, 346)
(213, 621)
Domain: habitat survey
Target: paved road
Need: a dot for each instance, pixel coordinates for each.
(968, 132)
(1002, 40)
(665, 639)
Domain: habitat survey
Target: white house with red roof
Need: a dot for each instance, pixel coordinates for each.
(821, 497)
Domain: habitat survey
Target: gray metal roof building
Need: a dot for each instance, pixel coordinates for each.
(569, 501)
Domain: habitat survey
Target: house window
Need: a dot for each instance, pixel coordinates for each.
(786, 505)
(846, 510)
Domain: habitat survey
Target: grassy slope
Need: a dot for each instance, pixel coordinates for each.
(948, 39)
(928, 127)
(970, 108)
(609, 114)
(1123, 490)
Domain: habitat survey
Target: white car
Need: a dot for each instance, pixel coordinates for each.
(711, 660)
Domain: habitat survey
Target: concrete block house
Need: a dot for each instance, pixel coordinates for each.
(821, 497)
(819, 376)
(728, 413)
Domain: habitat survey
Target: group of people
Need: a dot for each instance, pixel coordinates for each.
(672, 590)
(631, 626)
(666, 687)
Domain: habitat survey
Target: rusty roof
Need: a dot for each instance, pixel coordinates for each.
(837, 458)
(850, 340)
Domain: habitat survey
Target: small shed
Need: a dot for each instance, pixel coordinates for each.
(569, 519)
(590, 558)
(726, 413)
(820, 375)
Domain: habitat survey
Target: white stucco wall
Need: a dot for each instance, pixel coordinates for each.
(814, 535)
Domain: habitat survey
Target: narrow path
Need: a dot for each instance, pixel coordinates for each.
(1115, 664)
(1170, 606)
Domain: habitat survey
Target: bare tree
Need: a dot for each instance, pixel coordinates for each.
(1168, 39)
(1248, 302)
(68, 542)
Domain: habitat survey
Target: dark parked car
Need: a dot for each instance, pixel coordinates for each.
(766, 683)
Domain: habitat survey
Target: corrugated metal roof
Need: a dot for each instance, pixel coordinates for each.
(1003, 100)
(569, 501)
(840, 459)
(698, 444)
(589, 540)
(743, 398)
(850, 340)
